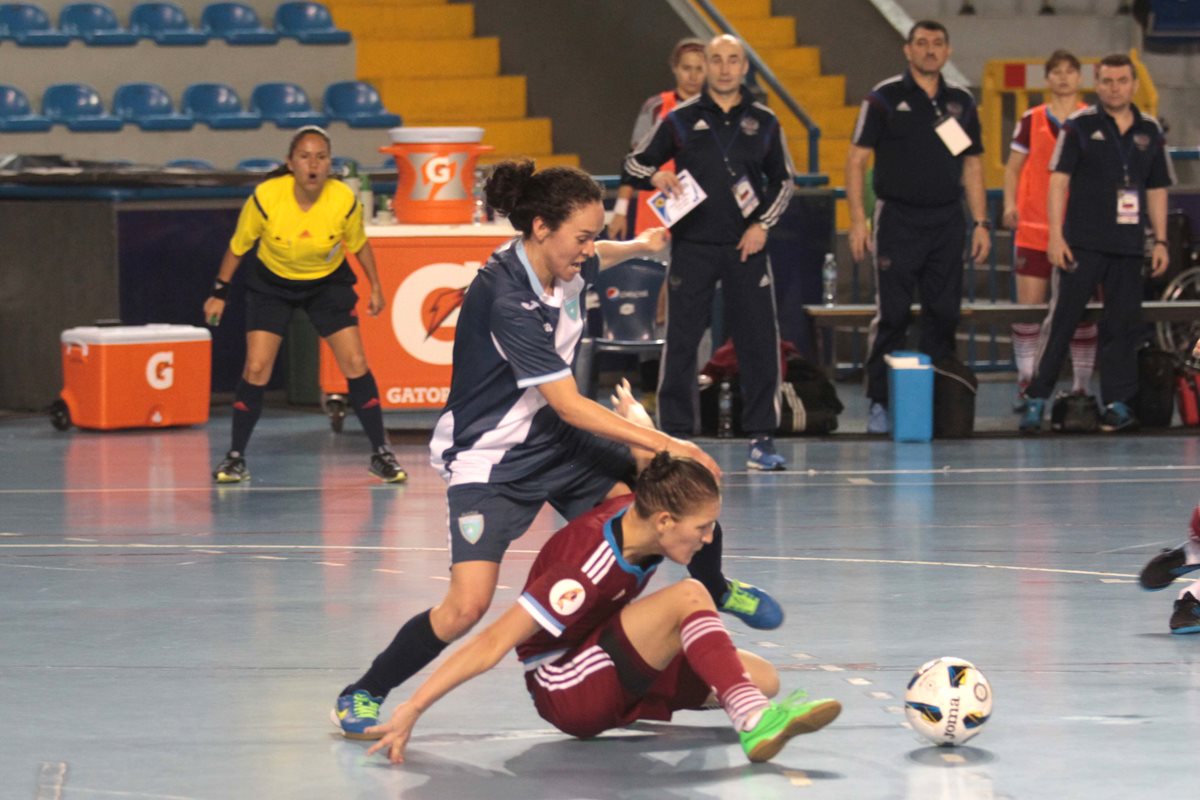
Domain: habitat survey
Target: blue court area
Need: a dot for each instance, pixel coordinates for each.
(163, 638)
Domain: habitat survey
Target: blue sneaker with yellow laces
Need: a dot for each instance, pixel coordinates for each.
(355, 712)
(752, 606)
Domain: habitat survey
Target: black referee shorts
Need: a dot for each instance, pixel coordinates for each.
(329, 301)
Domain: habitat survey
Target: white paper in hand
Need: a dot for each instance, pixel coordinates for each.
(672, 209)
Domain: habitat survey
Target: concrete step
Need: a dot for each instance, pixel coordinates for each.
(835, 123)
(825, 91)
(743, 9)
(792, 62)
(766, 32)
(428, 101)
(532, 136)
(437, 58)
(543, 161)
(367, 21)
(335, 4)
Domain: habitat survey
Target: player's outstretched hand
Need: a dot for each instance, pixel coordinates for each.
(625, 404)
(396, 733)
(654, 240)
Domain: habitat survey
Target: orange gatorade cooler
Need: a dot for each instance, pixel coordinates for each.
(436, 169)
(144, 376)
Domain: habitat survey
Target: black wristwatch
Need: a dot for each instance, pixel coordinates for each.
(986, 224)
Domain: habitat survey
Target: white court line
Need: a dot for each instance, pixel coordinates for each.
(1139, 546)
(782, 484)
(728, 557)
(948, 470)
(77, 790)
(43, 566)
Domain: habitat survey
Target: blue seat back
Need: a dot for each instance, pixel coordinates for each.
(274, 99)
(258, 164)
(135, 100)
(13, 102)
(302, 16)
(150, 18)
(191, 163)
(224, 17)
(205, 99)
(80, 18)
(346, 98)
(629, 298)
(23, 18)
(65, 101)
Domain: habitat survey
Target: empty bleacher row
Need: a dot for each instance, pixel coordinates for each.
(166, 24)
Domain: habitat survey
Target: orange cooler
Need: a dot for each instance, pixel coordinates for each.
(145, 376)
(436, 168)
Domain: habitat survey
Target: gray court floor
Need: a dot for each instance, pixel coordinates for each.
(162, 638)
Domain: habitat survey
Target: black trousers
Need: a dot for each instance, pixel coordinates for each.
(1120, 328)
(749, 298)
(917, 250)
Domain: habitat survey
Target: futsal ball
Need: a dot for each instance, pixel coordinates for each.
(948, 700)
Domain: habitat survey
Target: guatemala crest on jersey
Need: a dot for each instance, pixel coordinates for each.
(571, 306)
(471, 526)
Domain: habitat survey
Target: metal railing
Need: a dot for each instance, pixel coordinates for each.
(702, 27)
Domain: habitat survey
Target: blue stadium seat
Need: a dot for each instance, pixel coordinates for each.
(218, 106)
(149, 105)
(197, 164)
(165, 23)
(95, 24)
(286, 105)
(78, 106)
(258, 164)
(358, 105)
(16, 115)
(339, 164)
(28, 26)
(236, 23)
(309, 23)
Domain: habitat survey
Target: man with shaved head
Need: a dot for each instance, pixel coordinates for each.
(733, 147)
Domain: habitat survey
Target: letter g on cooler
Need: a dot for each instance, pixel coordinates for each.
(160, 370)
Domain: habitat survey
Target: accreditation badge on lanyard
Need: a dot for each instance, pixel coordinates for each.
(1129, 207)
(744, 194)
(743, 191)
(952, 134)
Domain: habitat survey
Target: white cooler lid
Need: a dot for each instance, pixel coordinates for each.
(134, 334)
(417, 135)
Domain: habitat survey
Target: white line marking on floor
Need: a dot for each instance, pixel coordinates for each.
(768, 644)
(858, 681)
(51, 776)
(44, 566)
(10, 533)
(861, 481)
(115, 793)
(1136, 547)
(830, 667)
(439, 578)
(185, 563)
(330, 563)
(271, 558)
(948, 470)
(78, 539)
(389, 571)
(953, 758)
(801, 656)
(896, 710)
(1117, 580)
(210, 552)
(797, 777)
(880, 695)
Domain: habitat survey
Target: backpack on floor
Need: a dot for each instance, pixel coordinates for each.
(1075, 413)
(1154, 404)
(809, 401)
(954, 389)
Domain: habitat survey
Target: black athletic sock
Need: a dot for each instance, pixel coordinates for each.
(414, 647)
(247, 407)
(364, 398)
(706, 567)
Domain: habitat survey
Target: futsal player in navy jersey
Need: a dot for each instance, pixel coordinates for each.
(516, 433)
(595, 658)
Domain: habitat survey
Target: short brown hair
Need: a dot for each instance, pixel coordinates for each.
(1117, 60)
(1061, 57)
(683, 47)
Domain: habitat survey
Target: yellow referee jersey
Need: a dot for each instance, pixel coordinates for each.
(295, 244)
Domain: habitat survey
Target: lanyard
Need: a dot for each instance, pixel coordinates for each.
(725, 148)
(1123, 152)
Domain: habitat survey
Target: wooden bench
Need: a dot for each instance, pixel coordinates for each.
(823, 320)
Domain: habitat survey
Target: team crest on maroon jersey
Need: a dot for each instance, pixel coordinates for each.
(567, 596)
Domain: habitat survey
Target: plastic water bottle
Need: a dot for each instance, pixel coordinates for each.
(350, 177)
(725, 410)
(367, 198)
(829, 282)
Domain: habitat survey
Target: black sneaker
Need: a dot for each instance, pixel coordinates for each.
(1186, 617)
(232, 469)
(385, 467)
(1164, 568)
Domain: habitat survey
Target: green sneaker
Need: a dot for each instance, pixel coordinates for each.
(752, 606)
(782, 721)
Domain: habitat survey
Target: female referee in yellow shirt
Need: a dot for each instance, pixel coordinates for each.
(304, 224)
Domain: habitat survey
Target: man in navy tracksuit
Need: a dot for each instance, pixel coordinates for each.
(1113, 159)
(925, 135)
(735, 150)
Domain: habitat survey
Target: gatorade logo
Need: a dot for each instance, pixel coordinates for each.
(160, 370)
(425, 309)
(436, 176)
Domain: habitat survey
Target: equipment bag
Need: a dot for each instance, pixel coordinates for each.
(1075, 413)
(1188, 397)
(954, 388)
(1154, 404)
(810, 402)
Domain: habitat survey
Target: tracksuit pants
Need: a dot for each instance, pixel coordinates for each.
(917, 250)
(749, 299)
(1120, 329)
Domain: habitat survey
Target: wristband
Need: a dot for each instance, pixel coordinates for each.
(986, 224)
(220, 289)
(1163, 242)
(621, 207)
